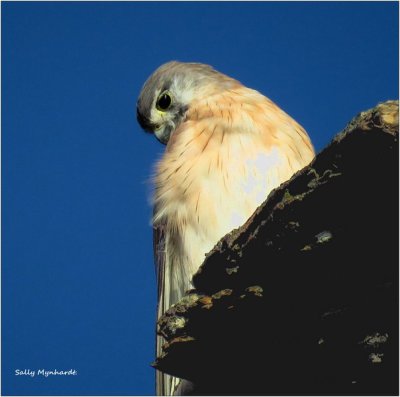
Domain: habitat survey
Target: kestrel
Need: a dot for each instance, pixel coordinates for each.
(227, 148)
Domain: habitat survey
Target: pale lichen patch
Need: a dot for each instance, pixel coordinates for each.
(256, 290)
(324, 237)
(376, 358)
(231, 270)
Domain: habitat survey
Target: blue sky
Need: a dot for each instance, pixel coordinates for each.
(78, 282)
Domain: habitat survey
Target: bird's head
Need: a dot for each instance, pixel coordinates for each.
(169, 92)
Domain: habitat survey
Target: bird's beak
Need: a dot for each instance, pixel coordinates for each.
(162, 134)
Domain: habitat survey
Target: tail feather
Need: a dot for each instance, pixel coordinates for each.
(166, 385)
(171, 286)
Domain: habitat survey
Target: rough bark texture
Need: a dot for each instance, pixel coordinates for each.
(303, 299)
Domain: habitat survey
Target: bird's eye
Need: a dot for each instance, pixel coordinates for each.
(164, 101)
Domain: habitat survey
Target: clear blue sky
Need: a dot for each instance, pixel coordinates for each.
(78, 282)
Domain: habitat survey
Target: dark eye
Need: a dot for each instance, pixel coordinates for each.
(164, 101)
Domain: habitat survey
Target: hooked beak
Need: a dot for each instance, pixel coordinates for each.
(161, 134)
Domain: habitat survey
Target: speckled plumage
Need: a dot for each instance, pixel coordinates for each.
(228, 146)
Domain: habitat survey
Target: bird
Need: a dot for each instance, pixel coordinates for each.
(227, 147)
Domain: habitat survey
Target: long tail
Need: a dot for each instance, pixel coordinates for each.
(166, 385)
(172, 282)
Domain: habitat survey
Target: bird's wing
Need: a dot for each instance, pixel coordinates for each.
(159, 255)
(159, 259)
(165, 384)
